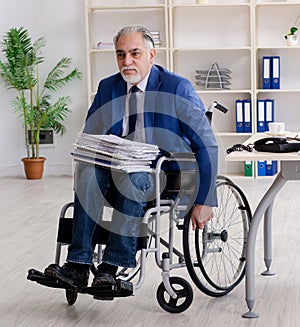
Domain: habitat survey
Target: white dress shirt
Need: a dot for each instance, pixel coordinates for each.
(139, 134)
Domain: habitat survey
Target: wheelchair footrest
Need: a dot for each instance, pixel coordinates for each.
(122, 288)
(40, 278)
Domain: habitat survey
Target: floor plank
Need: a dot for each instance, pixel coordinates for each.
(29, 218)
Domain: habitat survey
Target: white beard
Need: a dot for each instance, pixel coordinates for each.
(132, 79)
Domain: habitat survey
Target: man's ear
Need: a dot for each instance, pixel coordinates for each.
(152, 55)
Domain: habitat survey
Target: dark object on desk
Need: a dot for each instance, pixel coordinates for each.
(239, 147)
(276, 144)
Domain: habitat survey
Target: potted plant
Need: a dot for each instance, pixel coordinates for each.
(291, 36)
(33, 103)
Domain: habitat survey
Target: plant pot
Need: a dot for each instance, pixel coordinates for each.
(34, 168)
(292, 39)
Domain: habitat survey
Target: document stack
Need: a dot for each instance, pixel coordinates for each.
(113, 152)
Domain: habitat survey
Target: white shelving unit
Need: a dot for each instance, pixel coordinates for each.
(270, 41)
(236, 34)
(272, 20)
(219, 32)
(104, 18)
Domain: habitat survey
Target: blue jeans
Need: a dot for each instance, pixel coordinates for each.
(127, 194)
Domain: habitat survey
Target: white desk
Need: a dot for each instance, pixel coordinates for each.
(289, 170)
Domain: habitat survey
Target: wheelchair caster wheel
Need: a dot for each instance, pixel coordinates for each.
(71, 296)
(184, 294)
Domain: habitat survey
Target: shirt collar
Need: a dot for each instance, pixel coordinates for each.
(141, 85)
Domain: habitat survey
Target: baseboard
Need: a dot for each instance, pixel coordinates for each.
(49, 170)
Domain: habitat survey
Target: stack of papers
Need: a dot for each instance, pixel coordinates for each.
(114, 152)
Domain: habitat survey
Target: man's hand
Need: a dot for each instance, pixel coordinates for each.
(201, 214)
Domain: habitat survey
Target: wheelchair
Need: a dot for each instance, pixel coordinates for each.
(215, 257)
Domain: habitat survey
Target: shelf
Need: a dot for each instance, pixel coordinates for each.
(129, 7)
(218, 5)
(277, 90)
(282, 3)
(218, 91)
(279, 47)
(213, 49)
(112, 50)
(233, 134)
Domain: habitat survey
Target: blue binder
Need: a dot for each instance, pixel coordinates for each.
(261, 127)
(271, 167)
(269, 112)
(239, 116)
(275, 73)
(261, 168)
(266, 72)
(247, 116)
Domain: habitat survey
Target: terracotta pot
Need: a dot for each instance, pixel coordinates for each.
(34, 167)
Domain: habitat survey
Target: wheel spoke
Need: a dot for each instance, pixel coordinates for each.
(219, 249)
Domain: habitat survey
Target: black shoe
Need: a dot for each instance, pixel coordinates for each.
(105, 277)
(73, 274)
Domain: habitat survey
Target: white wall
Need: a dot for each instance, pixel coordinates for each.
(62, 24)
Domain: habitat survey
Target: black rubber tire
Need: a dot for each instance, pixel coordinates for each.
(184, 292)
(71, 296)
(221, 244)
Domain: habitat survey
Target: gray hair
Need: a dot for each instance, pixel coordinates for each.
(136, 29)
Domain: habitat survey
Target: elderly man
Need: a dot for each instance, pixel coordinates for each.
(169, 113)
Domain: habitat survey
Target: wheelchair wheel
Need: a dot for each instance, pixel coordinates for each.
(71, 296)
(215, 256)
(184, 294)
(221, 178)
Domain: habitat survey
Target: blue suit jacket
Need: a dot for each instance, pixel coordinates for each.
(174, 119)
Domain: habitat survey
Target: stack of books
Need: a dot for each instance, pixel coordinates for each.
(113, 152)
(105, 45)
(156, 38)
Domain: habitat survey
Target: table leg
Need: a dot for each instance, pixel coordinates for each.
(268, 241)
(264, 204)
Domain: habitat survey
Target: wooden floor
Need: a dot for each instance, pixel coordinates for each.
(29, 214)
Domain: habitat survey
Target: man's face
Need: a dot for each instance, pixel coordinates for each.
(133, 57)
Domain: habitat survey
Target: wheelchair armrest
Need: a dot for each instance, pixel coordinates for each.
(180, 181)
(175, 180)
(179, 155)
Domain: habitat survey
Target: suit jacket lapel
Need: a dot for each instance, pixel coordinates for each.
(150, 100)
(118, 106)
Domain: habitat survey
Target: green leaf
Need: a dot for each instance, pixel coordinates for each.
(293, 30)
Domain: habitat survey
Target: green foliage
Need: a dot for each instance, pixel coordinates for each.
(292, 31)
(294, 28)
(33, 103)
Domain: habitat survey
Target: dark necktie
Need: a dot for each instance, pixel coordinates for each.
(132, 104)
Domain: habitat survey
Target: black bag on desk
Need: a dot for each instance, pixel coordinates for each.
(276, 144)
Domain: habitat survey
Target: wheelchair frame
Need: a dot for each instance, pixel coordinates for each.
(205, 265)
(206, 253)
